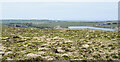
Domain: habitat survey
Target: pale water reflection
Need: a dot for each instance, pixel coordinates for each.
(88, 27)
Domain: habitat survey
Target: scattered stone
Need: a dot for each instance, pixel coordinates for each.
(6, 53)
(61, 51)
(41, 52)
(4, 38)
(49, 58)
(68, 41)
(65, 54)
(86, 46)
(9, 58)
(31, 55)
(1, 53)
(44, 48)
(56, 38)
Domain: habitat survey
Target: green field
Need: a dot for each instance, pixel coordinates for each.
(53, 23)
(67, 24)
(59, 44)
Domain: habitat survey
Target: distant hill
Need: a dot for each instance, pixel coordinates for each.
(25, 21)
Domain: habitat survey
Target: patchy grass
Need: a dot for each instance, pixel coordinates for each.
(53, 44)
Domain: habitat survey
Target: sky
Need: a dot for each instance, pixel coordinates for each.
(59, 0)
(60, 10)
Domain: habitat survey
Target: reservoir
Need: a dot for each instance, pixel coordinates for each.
(88, 27)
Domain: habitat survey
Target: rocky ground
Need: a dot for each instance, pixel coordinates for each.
(56, 44)
(1, 50)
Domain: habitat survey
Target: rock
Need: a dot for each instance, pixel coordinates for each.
(61, 51)
(9, 58)
(8, 53)
(56, 38)
(49, 58)
(44, 48)
(1, 53)
(4, 38)
(31, 55)
(86, 46)
(41, 52)
(69, 41)
(70, 53)
(65, 54)
(43, 45)
(2, 47)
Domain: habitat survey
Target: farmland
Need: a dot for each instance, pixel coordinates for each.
(59, 44)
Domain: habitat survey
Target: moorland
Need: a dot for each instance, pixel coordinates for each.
(43, 40)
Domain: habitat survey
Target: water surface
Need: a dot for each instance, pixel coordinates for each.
(88, 27)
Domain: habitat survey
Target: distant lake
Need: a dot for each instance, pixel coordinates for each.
(85, 27)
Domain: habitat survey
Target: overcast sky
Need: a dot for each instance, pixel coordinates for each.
(61, 10)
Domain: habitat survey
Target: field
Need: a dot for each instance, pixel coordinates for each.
(67, 24)
(54, 23)
(59, 44)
